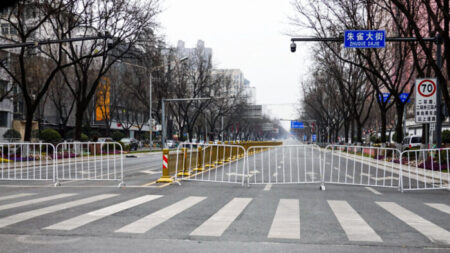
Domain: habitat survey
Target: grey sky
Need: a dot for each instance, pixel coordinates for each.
(244, 34)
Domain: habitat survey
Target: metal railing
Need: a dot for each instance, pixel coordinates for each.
(27, 161)
(91, 161)
(360, 165)
(210, 163)
(425, 169)
(67, 161)
(288, 164)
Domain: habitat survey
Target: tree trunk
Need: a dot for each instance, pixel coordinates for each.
(359, 127)
(383, 125)
(79, 122)
(28, 124)
(400, 107)
(352, 133)
(346, 130)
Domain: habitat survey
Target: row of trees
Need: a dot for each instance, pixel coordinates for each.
(108, 77)
(347, 85)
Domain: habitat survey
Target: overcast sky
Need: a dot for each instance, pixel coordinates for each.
(245, 34)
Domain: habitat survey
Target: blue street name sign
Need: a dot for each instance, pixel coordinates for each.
(305, 138)
(296, 124)
(365, 39)
(403, 97)
(314, 137)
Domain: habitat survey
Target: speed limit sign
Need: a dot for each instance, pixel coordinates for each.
(425, 106)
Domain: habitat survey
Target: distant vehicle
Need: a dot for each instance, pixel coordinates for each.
(171, 144)
(132, 142)
(105, 139)
(411, 141)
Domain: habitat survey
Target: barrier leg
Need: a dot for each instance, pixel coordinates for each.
(186, 165)
(199, 160)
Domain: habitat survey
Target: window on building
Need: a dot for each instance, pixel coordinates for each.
(3, 87)
(3, 119)
(5, 29)
(12, 30)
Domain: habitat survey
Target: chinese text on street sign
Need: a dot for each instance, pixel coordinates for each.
(364, 38)
(425, 106)
(296, 124)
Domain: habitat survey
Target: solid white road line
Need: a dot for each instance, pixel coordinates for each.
(16, 196)
(220, 221)
(150, 221)
(268, 187)
(425, 227)
(374, 191)
(355, 227)
(441, 207)
(35, 201)
(16, 218)
(286, 223)
(84, 219)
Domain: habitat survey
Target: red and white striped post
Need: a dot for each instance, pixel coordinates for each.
(166, 178)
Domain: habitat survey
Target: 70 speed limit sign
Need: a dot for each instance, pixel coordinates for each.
(425, 106)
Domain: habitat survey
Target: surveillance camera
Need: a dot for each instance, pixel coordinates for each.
(293, 47)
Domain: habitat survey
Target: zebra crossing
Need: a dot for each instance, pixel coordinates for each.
(284, 223)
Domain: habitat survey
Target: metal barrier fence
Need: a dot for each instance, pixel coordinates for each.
(425, 169)
(359, 165)
(81, 161)
(289, 164)
(210, 163)
(27, 161)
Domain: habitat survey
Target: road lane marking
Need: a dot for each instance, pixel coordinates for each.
(275, 174)
(16, 196)
(441, 207)
(374, 191)
(268, 187)
(150, 172)
(336, 168)
(354, 226)
(286, 223)
(36, 201)
(84, 219)
(150, 221)
(16, 218)
(222, 219)
(348, 176)
(425, 227)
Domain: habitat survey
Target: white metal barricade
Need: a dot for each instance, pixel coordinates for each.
(79, 161)
(425, 169)
(359, 165)
(27, 161)
(288, 164)
(210, 163)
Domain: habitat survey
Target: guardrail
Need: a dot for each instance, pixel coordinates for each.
(27, 161)
(67, 161)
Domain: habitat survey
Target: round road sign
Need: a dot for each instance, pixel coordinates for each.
(426, 88)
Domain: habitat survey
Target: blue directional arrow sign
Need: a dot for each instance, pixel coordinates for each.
(297, 124)
(364, 39)
(314, 137)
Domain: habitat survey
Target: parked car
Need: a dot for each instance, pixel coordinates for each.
(132, 142)
(171, 144)
(411, 141)
(105, 139)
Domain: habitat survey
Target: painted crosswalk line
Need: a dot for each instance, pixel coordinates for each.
(354, 226)
(36, 201)
(423, 226)
(84, 219)
(16, 218)
(286, 223)
(222, 219)
(148, 222)
(15, 196)
(441, 207)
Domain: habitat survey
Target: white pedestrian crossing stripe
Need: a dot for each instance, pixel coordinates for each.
(101, 213)
(220, 221)
(16, 218)
(441, 207)
(16, 196)
(423, 226)
(286, 223)
(36, 201)
(355, 227)
(148, 222)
